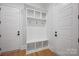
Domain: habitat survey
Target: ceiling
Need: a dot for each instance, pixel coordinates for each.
(44, 5)
(40, 5)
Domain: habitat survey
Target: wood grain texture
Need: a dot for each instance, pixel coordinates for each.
(14, 53)
(45, 52)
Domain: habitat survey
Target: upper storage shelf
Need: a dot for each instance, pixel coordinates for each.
(30, 13)
(36, 14)
(35, 17)
(43, 15)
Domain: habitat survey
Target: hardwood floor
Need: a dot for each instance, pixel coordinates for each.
(14, 53)
(45, 52)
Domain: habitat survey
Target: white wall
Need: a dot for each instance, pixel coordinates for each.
(57, 21)
(78, 21)
(78, 29)
(22, 21)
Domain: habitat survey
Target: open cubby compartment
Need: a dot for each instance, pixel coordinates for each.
(30, 46)
(35, 22)
(31, 21)
(43, 15)
(37, 45)
(45, 43)
(30, 12)
(43, 22)
(37, 15)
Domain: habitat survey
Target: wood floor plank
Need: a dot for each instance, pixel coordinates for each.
(45, 52)
(14, 53)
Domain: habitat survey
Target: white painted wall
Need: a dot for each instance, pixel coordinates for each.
(78, 29)
(21, 23)
(78, 21)
(67, 29)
